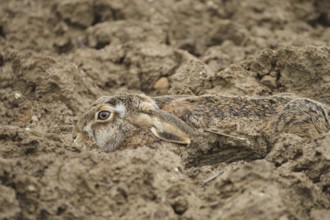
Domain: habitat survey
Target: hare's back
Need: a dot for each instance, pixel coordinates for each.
(216, 111)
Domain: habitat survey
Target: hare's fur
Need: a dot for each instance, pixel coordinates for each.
(178, 119)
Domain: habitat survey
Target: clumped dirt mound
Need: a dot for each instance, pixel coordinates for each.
(57, 57)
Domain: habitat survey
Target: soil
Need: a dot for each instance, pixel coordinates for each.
(57, 57)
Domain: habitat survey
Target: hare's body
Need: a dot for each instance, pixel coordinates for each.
(224, 112)
(180, 119)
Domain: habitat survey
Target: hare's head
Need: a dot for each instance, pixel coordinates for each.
(111, 118)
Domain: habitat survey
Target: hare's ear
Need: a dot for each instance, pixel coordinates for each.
(170, 133)
(168, 127)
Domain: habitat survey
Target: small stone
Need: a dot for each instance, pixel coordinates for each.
(269, 81)
(180, 205)
(70, 112)
(162, 83)
(34, 118)
(31, 188)
(17, 95)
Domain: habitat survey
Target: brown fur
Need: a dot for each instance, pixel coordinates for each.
(179, 119)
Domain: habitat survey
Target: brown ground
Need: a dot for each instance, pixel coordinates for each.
(57, 56)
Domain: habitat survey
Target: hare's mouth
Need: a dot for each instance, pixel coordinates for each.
(80, 138)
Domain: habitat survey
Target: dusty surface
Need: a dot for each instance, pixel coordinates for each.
(57, 57)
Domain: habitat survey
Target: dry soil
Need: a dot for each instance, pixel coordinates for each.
(57, 57)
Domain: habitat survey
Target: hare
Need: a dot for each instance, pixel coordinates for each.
(110, 119)
(114, 120)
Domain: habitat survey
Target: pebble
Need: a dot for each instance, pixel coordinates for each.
(34, 118)
(31, 188)
(269, 81)
(162, 83)
(17, 95)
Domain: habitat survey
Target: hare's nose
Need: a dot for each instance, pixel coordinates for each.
(74, 135)
(78, 139)
(74, 138)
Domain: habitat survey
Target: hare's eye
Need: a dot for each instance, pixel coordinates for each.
(103, 115)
